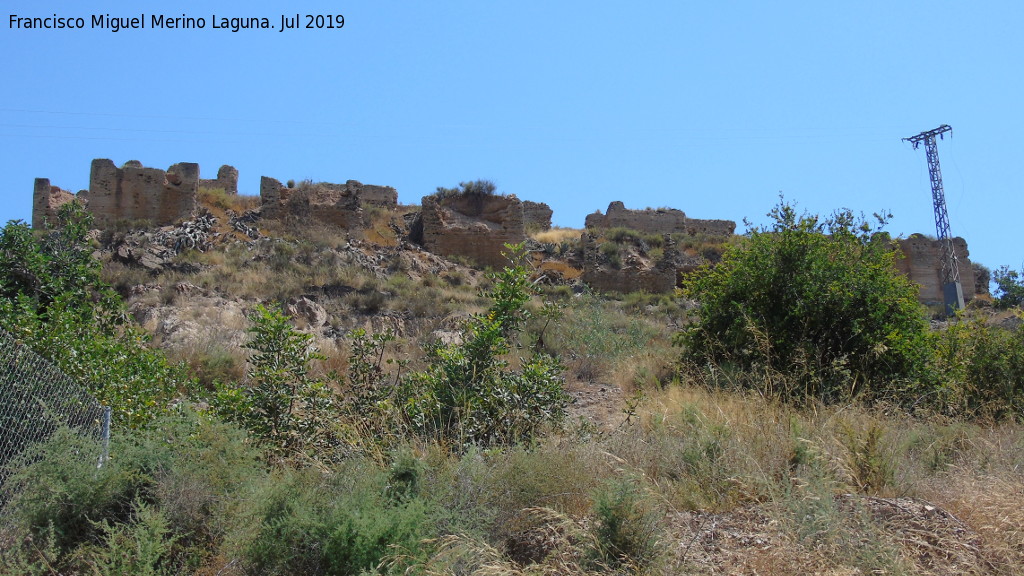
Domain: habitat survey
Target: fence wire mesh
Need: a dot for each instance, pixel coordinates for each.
(36, 399)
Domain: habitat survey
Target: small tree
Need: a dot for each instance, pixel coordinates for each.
(817, 302)
(284, 405)
(53, 299)
(470, 394)
(1009, 287)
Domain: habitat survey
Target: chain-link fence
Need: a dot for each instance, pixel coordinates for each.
(35, 400)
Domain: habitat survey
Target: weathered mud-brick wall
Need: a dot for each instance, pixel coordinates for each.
(323, 202)
(383, 196)
(922, 263)
(537, 215)
(46, 202)
(473, 226)
(227, 179)
(657, 221)
(635, 271)
(660, 221)
(134, 192)
(695, 226)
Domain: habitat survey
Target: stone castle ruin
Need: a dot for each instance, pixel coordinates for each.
(471, 226)
(323, 202)
(658, 221)
(226, 180)
(134, 192)
(637, 269)
(537, 216)
(921, 262)
(46, 202)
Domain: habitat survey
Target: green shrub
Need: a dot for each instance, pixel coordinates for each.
(978, 370)
(1009, 287)
(53, 299)
(469, 394)
(611, 251)
(628, 525)
(621, 235)
(284, 406)
(59, 491)
(816, 300)
(141, 547)
(345, 524)
(479, 188)
(166, 497)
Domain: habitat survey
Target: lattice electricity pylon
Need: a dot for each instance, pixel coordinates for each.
(952, 287)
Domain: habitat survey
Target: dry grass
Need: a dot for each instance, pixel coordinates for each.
(747, 485)
(558, 235)
(218, 201)
(760, 487)
(562, 269)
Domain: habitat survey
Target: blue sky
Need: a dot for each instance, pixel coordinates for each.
(712, 107)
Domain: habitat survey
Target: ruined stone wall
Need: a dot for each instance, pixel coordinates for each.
(134, 192)
(46, 202)
(537, 215)
(227, 179)
(474, 226)
(323, 202)
(383, 196)
(695, 226)
(658, 221)
(635, 271)
(922, 263)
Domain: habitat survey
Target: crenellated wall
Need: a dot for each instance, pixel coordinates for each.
(134, 192)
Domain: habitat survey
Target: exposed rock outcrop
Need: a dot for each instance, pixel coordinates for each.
(134, 192)
(658, 221)
(155, 249)
(473, 226)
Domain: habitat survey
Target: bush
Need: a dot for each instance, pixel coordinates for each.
(343, 524)
(627, 526)
(52, 298)
(285, 407)
(53, 263)
(470, 395)
(1009, 287)
(473, 188)
(818, 301)
(176, 482)
(978, 369)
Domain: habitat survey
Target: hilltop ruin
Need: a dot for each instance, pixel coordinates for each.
(323, 202)
(475, 227)
(658, 221)
(472, 226)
